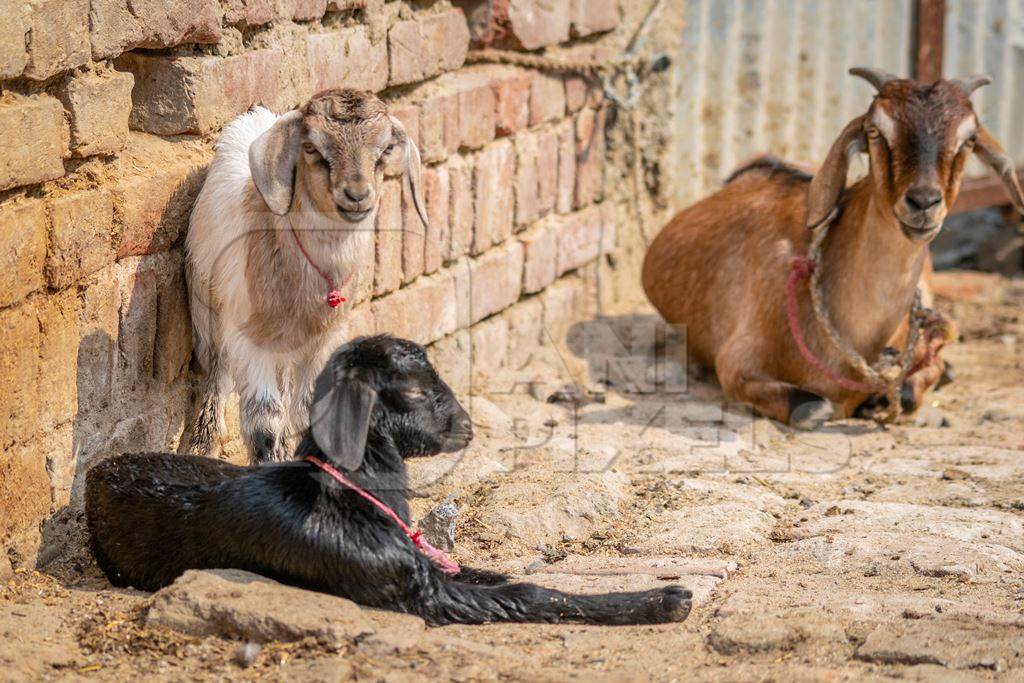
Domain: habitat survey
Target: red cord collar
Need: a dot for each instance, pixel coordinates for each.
(443, 562)
(334, 297)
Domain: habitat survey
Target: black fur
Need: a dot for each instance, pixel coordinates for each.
(152, 516)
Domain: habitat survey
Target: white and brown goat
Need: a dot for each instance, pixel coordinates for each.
(284, 213)
(719, 269)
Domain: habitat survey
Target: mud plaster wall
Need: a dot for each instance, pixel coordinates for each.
(108, 116)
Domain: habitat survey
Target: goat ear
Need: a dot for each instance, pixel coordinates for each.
(412, 167)
(340, 418)
(829, 181)
(272, 158)
(991, 152)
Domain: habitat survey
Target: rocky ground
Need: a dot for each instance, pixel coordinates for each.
(857, 552)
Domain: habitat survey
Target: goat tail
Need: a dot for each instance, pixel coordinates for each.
(452, 601)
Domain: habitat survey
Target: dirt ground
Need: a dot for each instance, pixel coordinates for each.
(857, 552)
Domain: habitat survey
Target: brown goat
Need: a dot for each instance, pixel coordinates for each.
(719, 269)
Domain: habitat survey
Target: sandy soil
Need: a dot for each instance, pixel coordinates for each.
(857, 552)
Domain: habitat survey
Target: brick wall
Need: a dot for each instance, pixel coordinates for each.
(107, 120)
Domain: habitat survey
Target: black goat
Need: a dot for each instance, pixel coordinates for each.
(152, 516)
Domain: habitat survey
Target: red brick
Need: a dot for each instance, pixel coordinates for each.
(117, 26)
(566, 190)
(525, 330)
(388, 273)
(139, 286)
(173, 344)
(96, 351)
(423, 312)
(564, 303)
(24, 489)
(538, 23)
(22, 250)
(153, 207)
(589, 157)
(307, 10)
(526, 182)
(413, 234)
(33, 140)
(593, 16)
(580, 239)
(437, 194)
(476, 115)
(547, 171)
(19, 359)
(461, 218)
(60, 330)
(80, 227)
(547, 98)
(346, 59)
(426, 46)
(409, 115)
(59, 31)
(495, 281)
(175, 95)
(540, 254)
(490, 340)
(579, 93)
(493, 195)
(13, 32)
(99, 104)
(248, 13)
(439, 127)
(512, 103)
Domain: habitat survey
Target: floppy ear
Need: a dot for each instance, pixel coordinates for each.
(412, 166)
(340, 418)
(272, 158)
(991, 152)
(829, 181)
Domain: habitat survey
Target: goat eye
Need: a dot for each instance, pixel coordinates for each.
(308, 148)
(872, 132)
(413, 394)
(969, 142)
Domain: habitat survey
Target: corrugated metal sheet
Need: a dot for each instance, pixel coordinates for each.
(770, 76)
(987, 36)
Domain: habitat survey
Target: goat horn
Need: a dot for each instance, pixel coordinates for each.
(971, 83)
(876, 77)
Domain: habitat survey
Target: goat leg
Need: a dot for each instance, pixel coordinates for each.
(443, 600)
(777, 400)
(262, 425)
(480, 577)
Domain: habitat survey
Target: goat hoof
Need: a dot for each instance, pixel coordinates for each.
(676, 602)
(808, 411)
(265, 447)
(908, 402)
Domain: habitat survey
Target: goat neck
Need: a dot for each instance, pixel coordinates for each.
(870, 271)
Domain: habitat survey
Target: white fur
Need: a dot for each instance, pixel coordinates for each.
(220, 296)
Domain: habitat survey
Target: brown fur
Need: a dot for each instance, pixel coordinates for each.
(719, 269)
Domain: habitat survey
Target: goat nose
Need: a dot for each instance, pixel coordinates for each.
(923, 198)
(462, 424)
(357, 196)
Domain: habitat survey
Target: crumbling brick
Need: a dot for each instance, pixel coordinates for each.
(33, 140)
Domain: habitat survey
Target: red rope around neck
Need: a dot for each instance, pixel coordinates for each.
(334, 296)
(801, 268)
(443, 562)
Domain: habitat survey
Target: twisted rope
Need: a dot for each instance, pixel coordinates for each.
(886, 375)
